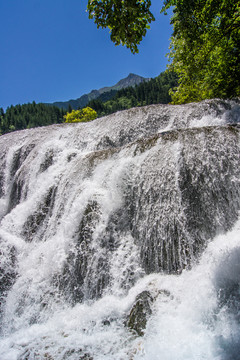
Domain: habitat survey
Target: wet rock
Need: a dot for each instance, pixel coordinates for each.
(227, 283)
(77, 270)
(8, 272)
(2, 182)
(48, 161)
(71, 156)
(16, 182)
(19, 157)
(15, 193)
(140, 313)
(105, 143)
(35, 221)
(178, 203)
(77, 355)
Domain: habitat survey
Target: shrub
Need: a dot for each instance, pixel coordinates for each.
(82, 115)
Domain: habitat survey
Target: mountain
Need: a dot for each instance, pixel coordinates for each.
(154, 91)
(109, 91)
(111, 99)
(130, 80)
(119, 238)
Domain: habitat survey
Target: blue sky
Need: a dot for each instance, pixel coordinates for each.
(51, 51)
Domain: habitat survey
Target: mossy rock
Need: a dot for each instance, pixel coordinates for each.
(140, 313)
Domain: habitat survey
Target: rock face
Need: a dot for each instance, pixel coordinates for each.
(140, 312)
(89, 209)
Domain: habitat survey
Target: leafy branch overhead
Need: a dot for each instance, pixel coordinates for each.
(128, 20)
(205, 45)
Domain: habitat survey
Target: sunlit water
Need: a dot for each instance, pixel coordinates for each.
(94, 214)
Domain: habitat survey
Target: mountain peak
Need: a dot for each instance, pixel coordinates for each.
(130, 80)
(132, 75)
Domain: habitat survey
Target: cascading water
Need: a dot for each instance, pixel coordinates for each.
(119, 238)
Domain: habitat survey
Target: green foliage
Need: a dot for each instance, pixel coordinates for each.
(128, 20)
(24, 116)
(205, 46)
(81, 115)
(155, 91)
(205, 49)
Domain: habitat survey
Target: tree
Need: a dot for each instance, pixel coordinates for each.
(82, 115)
(204, 49)
(29, 115)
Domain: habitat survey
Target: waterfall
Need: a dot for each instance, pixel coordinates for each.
(119, 238)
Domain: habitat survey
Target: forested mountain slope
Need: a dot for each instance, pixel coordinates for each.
(109, 100)
(26, 116)
(155, 91)
(108, 92)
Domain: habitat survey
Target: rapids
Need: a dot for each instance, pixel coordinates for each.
(119, 238)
